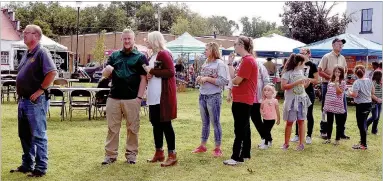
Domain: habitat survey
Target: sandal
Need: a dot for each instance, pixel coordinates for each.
(300, 147)
(285, 147)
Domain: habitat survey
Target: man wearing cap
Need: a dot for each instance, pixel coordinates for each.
(325, 69)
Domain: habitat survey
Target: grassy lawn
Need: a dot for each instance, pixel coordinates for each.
(76, 150)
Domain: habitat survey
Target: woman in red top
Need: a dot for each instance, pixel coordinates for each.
(243, 92)
(161, 98)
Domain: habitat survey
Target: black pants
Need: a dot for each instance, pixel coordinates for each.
(256, 118)
(362, 111)
(268, 125)
(242, 141)
(161, 128)
(310, 117)
(323, 125)
(339, 119)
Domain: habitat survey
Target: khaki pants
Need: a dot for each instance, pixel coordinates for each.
(115, 109)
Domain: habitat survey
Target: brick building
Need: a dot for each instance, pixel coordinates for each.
(86, 42)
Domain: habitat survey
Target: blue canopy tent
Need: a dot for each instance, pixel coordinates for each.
(355, 46)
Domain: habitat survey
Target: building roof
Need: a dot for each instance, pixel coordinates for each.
(8, 31)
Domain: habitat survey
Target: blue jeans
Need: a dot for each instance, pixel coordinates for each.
(210, 108)
(32, 126)
(374, 119)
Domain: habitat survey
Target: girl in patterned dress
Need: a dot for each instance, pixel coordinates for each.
(333, 105)
(296, 100)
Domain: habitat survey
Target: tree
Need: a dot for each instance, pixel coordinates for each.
(222, 25)
(170, 13)
(257, 27)
(99, 50)
(180, 26)
(114, 19)
(310, 21)
(273, 31)
(145, 17)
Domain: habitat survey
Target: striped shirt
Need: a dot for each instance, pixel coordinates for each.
(378, 89)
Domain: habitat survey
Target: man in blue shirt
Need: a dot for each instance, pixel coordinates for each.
(35, 73)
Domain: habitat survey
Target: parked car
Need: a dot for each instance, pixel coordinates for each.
(94, 70)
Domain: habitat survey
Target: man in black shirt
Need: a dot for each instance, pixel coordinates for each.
(310, 71)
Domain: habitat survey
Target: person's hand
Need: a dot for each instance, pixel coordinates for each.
(379, 100)
(149, 76)
(306, 82)
(231, 58)
(147, 68)
(229, 98)
(198, 79)
(37, 94)
(203, 80)
(107, 71)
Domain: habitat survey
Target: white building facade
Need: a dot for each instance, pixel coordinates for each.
(367, 20)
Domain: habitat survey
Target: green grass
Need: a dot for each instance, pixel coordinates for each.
(76, 149)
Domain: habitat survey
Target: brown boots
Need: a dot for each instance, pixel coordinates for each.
(158, 157)
(172, 160)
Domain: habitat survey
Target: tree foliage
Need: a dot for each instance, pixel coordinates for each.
(99, 50)
(258, 27)
(311, 21)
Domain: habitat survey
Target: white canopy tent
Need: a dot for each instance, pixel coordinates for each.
(276, 43)
(45, 42)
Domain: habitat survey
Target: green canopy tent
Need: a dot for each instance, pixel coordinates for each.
(186, 44)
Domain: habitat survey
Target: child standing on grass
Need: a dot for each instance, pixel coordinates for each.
(333, 105)
(377, 102)
(270, 113)
(362, 91)
(296, 101)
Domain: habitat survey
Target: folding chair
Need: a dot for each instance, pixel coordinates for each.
(8, 87)
(76, 101)
(57, 93)
(99, 102)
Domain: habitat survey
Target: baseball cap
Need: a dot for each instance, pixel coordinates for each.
(337, 39)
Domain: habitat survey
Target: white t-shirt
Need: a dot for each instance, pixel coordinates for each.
(154, 86)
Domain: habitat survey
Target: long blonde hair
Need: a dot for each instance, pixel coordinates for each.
(157, 41)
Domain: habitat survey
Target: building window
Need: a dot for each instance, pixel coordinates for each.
(4, 57)
(366, 21)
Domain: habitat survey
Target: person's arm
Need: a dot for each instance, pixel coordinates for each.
(221, 80)
(284, 82)
(231, 71)
(339, 88)
(244, 71)
(354, 90)
(261, 109)
(323, 66)
(49, 70)
(167, 70)
(277, 111)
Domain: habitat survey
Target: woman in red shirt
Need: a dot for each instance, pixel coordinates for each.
(243, 92)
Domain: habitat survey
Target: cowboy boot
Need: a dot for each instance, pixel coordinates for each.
(158, 156)
(172, 160)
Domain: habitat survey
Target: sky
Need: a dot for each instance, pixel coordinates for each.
(268, 11)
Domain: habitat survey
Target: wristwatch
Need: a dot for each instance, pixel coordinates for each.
(230, 64)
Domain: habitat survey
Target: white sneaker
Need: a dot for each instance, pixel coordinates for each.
(270, 143)
(262, 142)
(263, 147)
(309, 140)
(295, 139)
(231, 162)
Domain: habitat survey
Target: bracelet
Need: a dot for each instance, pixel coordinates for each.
(139, 97)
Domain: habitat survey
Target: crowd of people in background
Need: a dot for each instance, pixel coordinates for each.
(251, 95)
